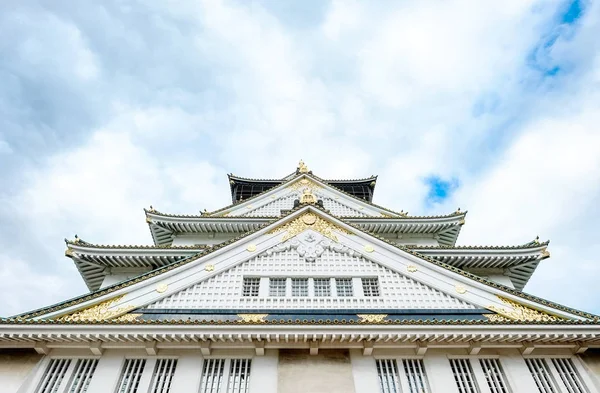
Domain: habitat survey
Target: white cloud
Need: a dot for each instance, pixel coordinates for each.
(369, 89)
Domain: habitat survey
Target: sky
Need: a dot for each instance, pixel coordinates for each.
(107, 107)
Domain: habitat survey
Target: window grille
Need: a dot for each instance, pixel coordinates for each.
(569, 375)
(344, 287)
(251, 286)
(415, 374)
(370, 286)
(463, 375)
(163, 375)
(541, 375)
(299, 286)
(131, 375)
(57, 368)
(277, 286)
(239, 376)
(212, 375)
(389, 378)
(494, 375)
(322, 287)
(82, 375)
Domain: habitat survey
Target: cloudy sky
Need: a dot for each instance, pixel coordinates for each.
(108, 106)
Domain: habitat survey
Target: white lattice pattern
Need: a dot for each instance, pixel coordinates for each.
(274, 208)
(224, 290)
(339, 209)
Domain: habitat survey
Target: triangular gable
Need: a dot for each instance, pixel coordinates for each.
(281, 198)
(151, 287)
(313, 257)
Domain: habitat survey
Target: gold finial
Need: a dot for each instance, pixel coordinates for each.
(457, 210)
(302, 168)
(308, 196)
(537, 240)
(204, 212)
(76, 239)
(152, 209)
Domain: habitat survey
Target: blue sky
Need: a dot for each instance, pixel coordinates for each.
(107, 107)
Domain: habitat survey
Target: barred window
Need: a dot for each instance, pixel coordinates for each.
(131, 375)
(541, 375)
(234, 372)
(212, 375)
(494, 375)
(82, 375)
(163, 375)
(239, 376)
(250, 286)
(569, 375)
(277, 286)
(344, 287)
(53, 376)
(415, 374)
(464, 376)
(370, 286)
(299, 286)
(389, 378)
(322, 287)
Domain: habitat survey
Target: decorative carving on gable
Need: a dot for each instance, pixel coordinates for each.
(309, 221)
(98, 312)
(304, 183)
(310, 246)
(518, 312)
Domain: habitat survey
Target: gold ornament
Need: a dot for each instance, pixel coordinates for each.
(518, 312)
(98, 312)
(302, 183)
(69, 252)
(309, 221)
(460, 289)
(369, 248)
(302, 168)
(249, 207)
(411, 268)
(127, 318)
(209, 268)
(308, 197)
(253, 318)
(371, 318)
(162, 288)
(251, 247)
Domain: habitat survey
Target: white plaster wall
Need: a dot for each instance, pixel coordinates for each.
(330, 371)
(364, 372)
(591, 364)
(16, 368)
(263, 377)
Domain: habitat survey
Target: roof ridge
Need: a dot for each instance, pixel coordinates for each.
(482, 247)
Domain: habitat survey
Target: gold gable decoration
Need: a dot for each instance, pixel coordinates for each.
(100, 312)
(371, 318)
(309, 221)
(304, 183)
(518, 312)
(252, 318)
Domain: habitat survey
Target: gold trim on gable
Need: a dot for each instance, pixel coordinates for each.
(98, 312)
(518, 312)
(309, 221)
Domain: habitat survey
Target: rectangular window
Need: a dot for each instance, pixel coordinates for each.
(415, 374)
(82, 375)
(239, 376)
(53, 376)
(389, 378)
(299, 286)
(250, 287)
(277, 286)
(494, 375)
(370, 286)
(541, 375)
(463, 376)
(344, 287)
(163, 375)
(236, 373)
(212, 375)
(569, 375)
(131, 375)
(322, 287)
